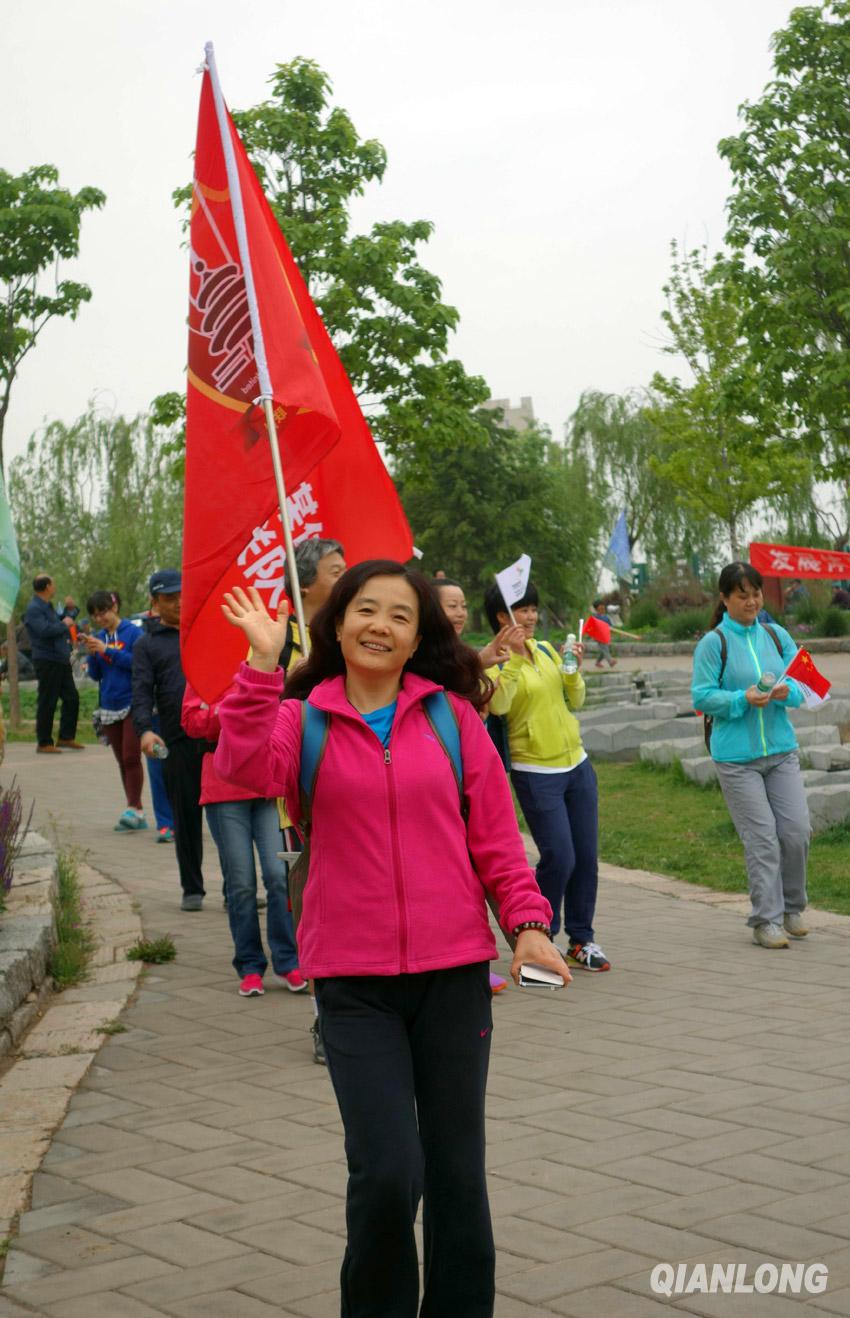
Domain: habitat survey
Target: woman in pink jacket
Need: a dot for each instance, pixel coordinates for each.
(394, 926)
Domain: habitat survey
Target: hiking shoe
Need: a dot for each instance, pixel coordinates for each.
(589, 956)
(251, 987)
(192, 901)
(770, 935)
(48, 750)
(71, 745)
(795, 925)
(165, 835)
(130, 822)
(497, 984)
(318, 1044)
(293, 980)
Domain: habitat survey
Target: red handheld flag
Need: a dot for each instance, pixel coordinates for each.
(596, 629)
(229, 479)
(814, 685)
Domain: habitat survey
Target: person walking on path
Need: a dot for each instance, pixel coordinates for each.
(110, 663)
(399, 946)
(752, 742)
(553, 778)
(159, 684)
(454, 606)
(599, 612)
(241, 821)
(50, 637)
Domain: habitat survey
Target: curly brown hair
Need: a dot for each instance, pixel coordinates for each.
(440, 656)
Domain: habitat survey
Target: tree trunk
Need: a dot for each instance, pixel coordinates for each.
(733, 536)
(12, 674)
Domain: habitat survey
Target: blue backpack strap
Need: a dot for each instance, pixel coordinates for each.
(314, 735)
(441, 716)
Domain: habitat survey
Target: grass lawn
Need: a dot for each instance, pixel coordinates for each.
(88, 702)
(652, 818)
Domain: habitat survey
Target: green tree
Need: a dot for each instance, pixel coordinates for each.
(39, 226)
(494, 494)
(620, 441)
(110, 512)
(789, 228)
(723, 442)
(382, 308)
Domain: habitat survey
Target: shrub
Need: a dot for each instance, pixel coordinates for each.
(688, 624)
(74, 939)
(644, 613)
(11, 835)
(834, 622)
(153, 951)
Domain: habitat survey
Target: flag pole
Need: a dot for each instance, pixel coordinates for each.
(266, 394)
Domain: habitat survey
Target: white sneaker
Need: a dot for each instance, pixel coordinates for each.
(770, 935)
(795, 925)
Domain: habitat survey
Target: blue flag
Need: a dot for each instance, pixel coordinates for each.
(10, 563)
(618, 557)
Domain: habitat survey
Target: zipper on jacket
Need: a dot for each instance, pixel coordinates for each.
(399, 887)
(758, 679)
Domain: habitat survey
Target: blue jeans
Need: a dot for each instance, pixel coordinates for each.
(237, 827)
(161, 803)
(561, 810)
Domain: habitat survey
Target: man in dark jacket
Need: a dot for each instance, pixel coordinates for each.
(50, 637)
(158, 685)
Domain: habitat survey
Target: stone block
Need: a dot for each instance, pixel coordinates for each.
(828, 805)
(701, 771)
(623, 740)
(818, 734)
(15, 981)
(670, 749)
(828, 757)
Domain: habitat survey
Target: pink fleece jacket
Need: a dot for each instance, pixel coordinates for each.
(201, 720)
(395, 881)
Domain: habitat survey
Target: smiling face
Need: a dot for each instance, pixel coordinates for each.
(108, 618)
(744, 603)
(525, 616)
(379, 630)
(453, 602)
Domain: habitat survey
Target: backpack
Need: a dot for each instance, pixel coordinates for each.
(708, 721)
(315, 727)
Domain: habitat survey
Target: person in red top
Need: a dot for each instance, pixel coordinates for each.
(394, 926)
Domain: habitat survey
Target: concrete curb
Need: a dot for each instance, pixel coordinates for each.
(65, 1029)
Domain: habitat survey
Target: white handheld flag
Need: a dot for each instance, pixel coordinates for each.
(513, 581)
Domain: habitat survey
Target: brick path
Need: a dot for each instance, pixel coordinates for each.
(691, 1105)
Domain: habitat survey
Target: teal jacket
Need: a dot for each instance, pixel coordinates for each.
(741, 731)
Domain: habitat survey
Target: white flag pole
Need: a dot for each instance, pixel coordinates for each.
(507, 605)
(266, 396)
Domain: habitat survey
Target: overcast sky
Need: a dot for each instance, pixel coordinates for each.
(558, 146)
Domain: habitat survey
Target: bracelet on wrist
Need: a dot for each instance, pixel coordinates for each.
(538, 925)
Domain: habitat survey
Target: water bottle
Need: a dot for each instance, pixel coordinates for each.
(569, 664)
(159, 751)
(766, 682)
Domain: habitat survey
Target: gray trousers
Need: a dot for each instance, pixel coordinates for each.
(767, 802)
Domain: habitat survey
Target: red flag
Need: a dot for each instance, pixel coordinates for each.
(233, 359)
(814, 685)
(348, 496)
(596, 629)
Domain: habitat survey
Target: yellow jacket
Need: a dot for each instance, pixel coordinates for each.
(531, 693)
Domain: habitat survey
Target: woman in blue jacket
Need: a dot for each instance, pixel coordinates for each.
(755, 751)
(111, 663)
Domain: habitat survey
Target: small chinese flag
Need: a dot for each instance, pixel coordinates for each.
(596, 629)
(814, 685)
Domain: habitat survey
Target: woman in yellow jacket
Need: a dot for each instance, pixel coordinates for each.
(552, 776)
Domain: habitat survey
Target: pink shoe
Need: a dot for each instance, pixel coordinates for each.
(497, 984)
(251, 987)
(293, 980)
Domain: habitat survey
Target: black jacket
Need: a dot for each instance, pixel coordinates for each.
(158, 681)
(49, 636)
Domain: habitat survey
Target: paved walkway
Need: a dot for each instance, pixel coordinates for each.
(690, 1106)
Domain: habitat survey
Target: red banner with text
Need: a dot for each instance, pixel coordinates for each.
(794, 561)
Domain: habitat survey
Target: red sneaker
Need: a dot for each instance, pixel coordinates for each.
(293, 980)
(251, 987)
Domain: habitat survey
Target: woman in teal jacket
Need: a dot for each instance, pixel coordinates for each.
(755, 751)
